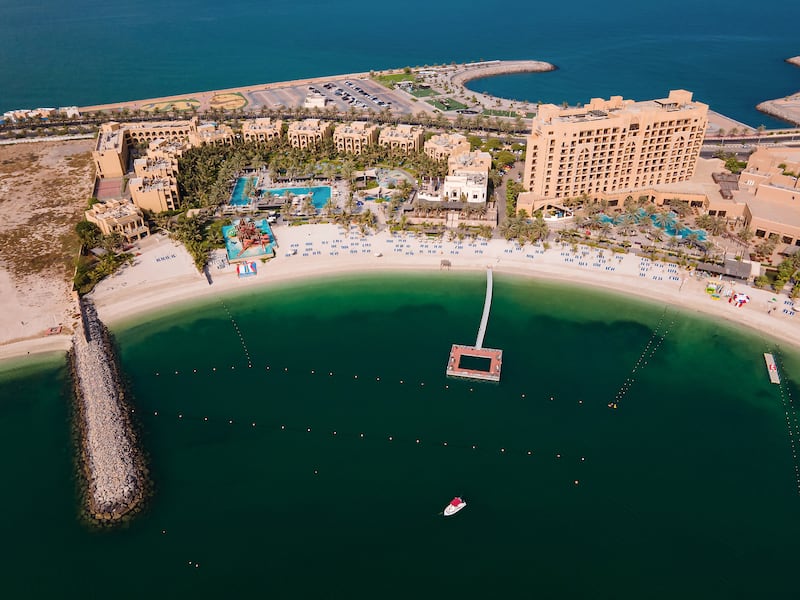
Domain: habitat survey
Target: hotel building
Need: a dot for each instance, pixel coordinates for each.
(611, 147)
(261, 130)
(110, 152)
(155, 194)
(118, 216)
(404, 138)
(355, 137)
(211, 134)
(309, 132)
(112, 147)
(770, 189)
(444, 145)
(158, 162)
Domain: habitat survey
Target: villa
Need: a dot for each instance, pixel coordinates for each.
(403, 138)
(466, 182)
(353, 138)
(309, 132)
(261, 130)
(118, 216)
(444, 145)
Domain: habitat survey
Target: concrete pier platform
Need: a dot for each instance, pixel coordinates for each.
(457, 352)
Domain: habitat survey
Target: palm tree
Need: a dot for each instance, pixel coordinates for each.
(692, 239)
(329, 207)
(663, 219)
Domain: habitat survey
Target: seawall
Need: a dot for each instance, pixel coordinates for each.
(110, 458)
(504, 67)
(788, 108)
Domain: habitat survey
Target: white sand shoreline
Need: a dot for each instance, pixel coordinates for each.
(156, 285)
(121, 299)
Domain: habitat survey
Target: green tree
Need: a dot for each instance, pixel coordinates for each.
(88, 233)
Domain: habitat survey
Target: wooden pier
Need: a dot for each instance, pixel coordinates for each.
(772, 368)
(494, 356)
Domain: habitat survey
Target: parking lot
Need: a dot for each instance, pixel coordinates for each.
(342, 94)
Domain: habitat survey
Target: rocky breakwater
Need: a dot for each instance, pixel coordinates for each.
(788, 108)
(111, 460)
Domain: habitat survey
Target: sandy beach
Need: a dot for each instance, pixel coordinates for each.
(164, 275)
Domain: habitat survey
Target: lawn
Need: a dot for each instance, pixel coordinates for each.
(424, 92)
(390, 80)
(446, 104)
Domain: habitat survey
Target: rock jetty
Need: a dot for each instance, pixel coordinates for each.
(788, 108)
(111, 460)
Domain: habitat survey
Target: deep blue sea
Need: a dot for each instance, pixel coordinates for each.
(91, 51)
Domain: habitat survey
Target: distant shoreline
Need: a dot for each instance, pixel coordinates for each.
(458, 73)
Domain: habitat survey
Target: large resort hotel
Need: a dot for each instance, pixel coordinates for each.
(618, 150)
(609, 149)
(154, 186)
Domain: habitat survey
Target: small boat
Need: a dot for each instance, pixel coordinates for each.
(456, 504)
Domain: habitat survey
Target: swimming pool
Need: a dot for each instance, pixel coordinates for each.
(669, 229)
(237, 196)
(319, 194)
(234, 247)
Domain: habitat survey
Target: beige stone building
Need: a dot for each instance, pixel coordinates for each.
(467, 180)
(114, 140)
(155, 194)
(770, 188)
(443, 145)
(211, 134)
(155, 186)
(403, 138)
(118, 216)
(157, 163)
(612, 147)
(147, 131)
(309, 132)
(354, 137)
(466, 163)
(110, 152)
(192, 130)
(468, 177)
(261, 130)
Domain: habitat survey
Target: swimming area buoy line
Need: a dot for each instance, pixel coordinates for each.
(238, 332)
(790, 415)
(662, 328)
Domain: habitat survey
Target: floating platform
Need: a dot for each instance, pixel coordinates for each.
(457, 352)
(772, 368)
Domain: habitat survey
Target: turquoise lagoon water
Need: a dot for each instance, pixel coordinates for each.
(322, 470)
(319, 194)
(731, 57)
(237, 195)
